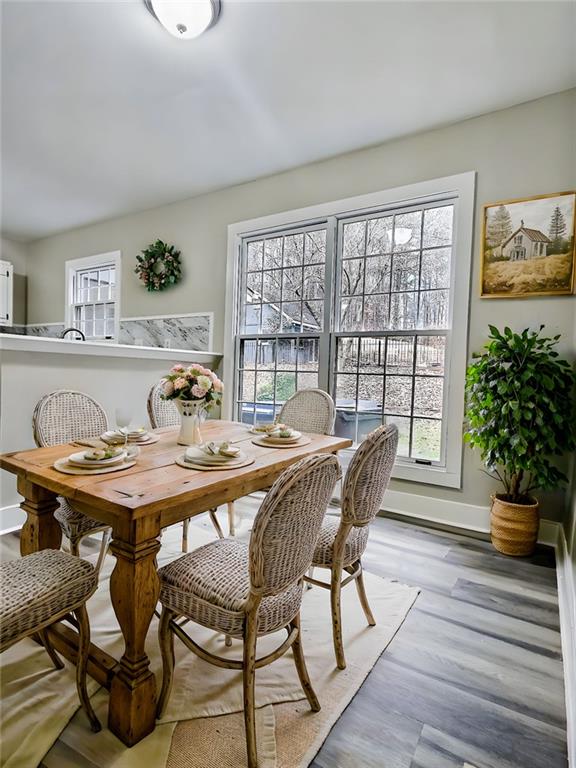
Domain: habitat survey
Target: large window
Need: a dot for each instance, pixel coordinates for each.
(92, 290)
(369, 306)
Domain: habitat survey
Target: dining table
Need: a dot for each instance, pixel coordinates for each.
(137, 503)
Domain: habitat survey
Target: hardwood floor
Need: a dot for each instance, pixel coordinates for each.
(474, 676)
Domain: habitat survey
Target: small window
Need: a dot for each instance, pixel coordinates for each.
(93, 296)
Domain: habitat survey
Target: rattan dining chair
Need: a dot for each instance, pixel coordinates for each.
(342, 542)
(163, 413)
(65, 416)
(250, 590)
(309, 410)
(40, 589)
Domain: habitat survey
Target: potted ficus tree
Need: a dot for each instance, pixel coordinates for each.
(520, 413)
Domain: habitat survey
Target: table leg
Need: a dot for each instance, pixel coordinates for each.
(134, 588)
(41, 530)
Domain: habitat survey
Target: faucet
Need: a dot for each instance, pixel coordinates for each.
(76, 330)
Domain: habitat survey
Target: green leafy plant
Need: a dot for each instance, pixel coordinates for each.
(158, 266)
(285, 388)
(521, 410)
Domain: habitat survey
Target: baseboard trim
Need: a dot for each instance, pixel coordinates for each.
(455, 514)
(566, 576)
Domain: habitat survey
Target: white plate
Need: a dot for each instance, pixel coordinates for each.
(196, 454)
(62, 465)
(275, 437)
(79, 460)
(254, 431)
(183, 462)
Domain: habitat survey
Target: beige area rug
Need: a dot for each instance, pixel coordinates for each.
(203, 726)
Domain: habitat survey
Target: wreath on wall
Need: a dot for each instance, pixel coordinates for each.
(159, 266)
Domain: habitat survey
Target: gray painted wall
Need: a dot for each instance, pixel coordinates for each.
(525, 150)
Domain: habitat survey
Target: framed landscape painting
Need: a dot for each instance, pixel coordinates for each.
(528, 246)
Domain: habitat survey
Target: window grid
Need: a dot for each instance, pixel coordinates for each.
(426, 349)
(94, 305)
(422, 295)
(281, 374)
(272, 312)
(422, 434)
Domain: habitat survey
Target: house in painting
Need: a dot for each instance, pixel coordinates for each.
(524, 244)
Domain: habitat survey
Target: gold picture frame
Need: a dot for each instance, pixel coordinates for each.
(528, 247)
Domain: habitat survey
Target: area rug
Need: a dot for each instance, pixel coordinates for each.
(203, 726)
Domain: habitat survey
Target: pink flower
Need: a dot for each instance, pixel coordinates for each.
(168, 388)
(198, 392)
(199, 370)
(180, 383)
(218, 385)
(177, 368)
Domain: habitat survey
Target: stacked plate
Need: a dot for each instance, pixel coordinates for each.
(97, 461)
(138, 436)
(282, 435)
(214, 456)
(92, 459)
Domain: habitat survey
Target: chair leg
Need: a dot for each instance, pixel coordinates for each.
(310, 576)
(215, 523)
(74, 546)
(248, 676)
(300, 662)
(231, 520)
(185, 525)
(335, 590)
(56, 660)
(166, 642)
(103, 548)
(363, 599)
(82, 664)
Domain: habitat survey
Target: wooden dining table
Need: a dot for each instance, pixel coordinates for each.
(138, 503)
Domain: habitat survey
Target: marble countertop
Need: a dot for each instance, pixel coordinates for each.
(19, 343)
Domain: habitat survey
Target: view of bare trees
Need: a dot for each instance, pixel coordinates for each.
(393, 275)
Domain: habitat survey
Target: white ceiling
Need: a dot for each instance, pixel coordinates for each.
(103, 112)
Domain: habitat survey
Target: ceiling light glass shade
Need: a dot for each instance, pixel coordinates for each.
(185, 19)
(402, 235)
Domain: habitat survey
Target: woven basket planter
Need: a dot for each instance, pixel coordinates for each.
(514, 527)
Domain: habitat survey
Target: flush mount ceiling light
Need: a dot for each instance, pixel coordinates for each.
(185, 19)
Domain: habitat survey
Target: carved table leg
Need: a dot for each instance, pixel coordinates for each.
(134, 588)
(41, 530)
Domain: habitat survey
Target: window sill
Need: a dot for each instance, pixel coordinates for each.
(415, 473)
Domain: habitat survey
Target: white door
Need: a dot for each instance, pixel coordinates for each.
(6, 276)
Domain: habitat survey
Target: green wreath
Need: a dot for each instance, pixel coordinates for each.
(159, 266)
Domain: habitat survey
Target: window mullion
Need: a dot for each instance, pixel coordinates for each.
(325, 349)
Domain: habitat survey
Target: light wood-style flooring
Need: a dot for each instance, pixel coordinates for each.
(474, 676)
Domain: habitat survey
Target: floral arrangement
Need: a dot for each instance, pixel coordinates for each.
(192, 383)
(159, 266)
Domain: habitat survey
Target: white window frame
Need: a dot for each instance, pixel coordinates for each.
(460, 186)
(72, 266)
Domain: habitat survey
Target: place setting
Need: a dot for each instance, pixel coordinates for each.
(278, 436)
(213, 456)
(98, 461)
(125, 433)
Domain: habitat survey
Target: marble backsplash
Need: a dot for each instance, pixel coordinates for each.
(51, 330)
(185, 332)
(177, 332)
(18, 330)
